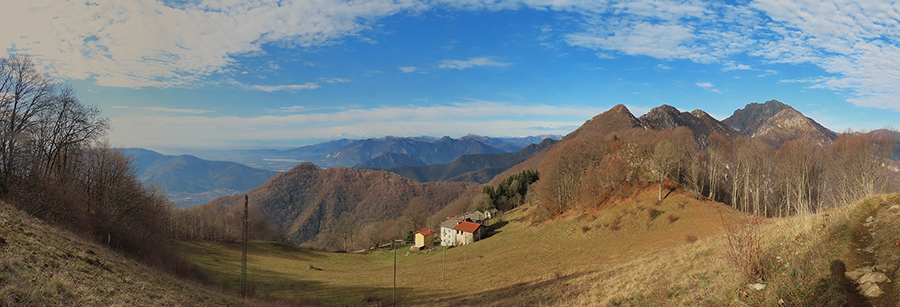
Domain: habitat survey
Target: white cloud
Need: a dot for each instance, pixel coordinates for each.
(145, 43)
(408, 69)
(188, 111)
(286, 87)
(661, 66)
(471, 62)
(708, 86)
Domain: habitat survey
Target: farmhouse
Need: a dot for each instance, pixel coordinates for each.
(450, 236)
(468, 232)
(424, 238)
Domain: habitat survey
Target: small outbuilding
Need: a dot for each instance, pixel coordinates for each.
(424, 238)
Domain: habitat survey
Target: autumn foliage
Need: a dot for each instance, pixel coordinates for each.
(803, 175)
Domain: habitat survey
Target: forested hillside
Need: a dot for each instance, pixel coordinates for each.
(787, 163)
(345, 208)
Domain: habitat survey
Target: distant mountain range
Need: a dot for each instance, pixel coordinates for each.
(384, 153)
(188, 180)
(479, 168)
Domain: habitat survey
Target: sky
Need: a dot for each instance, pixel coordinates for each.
(218, 74)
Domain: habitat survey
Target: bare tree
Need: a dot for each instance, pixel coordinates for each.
(25, 93)
(800, 169)
(663, 162)
(65, 126)
(719, 155)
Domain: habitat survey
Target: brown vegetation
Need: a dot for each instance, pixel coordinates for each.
(343, 208)
(53, 167)
(596, 166)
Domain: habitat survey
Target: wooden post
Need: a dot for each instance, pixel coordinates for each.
(444, 267)
(245, 234)
(394, 292)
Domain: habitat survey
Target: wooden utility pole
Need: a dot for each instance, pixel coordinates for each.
(394, 292)
(245, 234)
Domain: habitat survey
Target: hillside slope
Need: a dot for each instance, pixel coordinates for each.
(309, 201)
(617, 118)
(43, 266)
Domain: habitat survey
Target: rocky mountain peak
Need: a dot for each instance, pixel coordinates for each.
(753, 115)
(789, 124)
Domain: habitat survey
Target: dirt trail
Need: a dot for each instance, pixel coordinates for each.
(862, 254)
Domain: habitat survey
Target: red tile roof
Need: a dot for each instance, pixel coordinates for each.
(467, 226)
(426, 231)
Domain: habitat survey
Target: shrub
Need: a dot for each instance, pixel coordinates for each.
(653, 213)
(690, 238)
(585, 228)
(615, 223)
(744, 249)
(672, 217)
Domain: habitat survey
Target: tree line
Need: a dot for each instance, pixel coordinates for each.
(801, 176)
(55, 164)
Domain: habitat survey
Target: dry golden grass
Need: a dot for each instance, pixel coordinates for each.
(44, 266)
(649, 260)
(576, 260)
(548, 264)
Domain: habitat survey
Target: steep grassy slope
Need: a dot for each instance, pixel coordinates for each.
(44, 266)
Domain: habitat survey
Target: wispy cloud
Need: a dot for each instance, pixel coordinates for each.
(708, 86)
(730, 65)
(170, 110)
(408, 69)
(285, 87)
(662, 66)
(471, 62)
(334, 80)
(768, 72)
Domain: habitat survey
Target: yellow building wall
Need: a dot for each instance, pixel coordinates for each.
(424, 240)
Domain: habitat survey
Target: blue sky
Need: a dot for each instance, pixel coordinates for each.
(276, 74)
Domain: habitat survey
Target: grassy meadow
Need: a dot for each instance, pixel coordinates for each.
(676, 253)
(588, 258)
